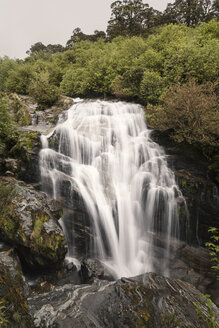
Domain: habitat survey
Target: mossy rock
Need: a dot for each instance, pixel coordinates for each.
(26, 153)
(28, 222)
(26, 142)
(14, 311)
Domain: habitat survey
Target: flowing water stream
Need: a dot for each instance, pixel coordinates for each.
(105, 150)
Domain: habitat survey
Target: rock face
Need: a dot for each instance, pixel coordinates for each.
(21, 159)
(29, 222)
(14, 312)
(148, 300)
(25, 157)
(92, 269)
(199, 190)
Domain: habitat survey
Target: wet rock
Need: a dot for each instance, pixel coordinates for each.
(25, 157)
(78, 231)
(11, 164)
(44, 120)
(148, 300)
(13, 293)
(22, 156)
(200, 191)
(193, 265)
(92, 269)
(28, 222)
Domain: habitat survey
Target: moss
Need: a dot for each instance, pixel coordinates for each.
(50, 244)
(8, 222)
(26, 141)
(142, 322)
(170, 320)
(40, 219)
(3, 317)
(183, 182)
(20, 110)
(14, 299)
(140, 303)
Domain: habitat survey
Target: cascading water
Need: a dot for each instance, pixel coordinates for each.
(104, 148)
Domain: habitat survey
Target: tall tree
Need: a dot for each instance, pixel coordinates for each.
(131, 17)
(39, 47)
(36, 47)
(215, 9)
(190, 12)
(78, 36)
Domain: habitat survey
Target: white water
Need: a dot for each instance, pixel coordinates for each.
(104, 148)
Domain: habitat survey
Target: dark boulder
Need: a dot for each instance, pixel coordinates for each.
(148, 300)
(92, 269)
(29, 222)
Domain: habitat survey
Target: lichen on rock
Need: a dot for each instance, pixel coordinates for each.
(28, 222)
(13, 292)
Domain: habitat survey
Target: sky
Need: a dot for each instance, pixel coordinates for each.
(25, 22)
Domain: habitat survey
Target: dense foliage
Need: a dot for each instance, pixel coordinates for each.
(166, 61)
(7, 128)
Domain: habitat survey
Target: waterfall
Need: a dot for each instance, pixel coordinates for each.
(104, 150)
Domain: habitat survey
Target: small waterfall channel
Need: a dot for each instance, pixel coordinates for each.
(104, 150)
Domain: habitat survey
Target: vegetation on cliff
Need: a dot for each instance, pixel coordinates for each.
(166, 61)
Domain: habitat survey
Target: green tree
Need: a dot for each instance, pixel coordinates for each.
(7, 127)
(190, 12)
(215, 9)
(74, 82)
(152, 86)
(78, 36)
(40, 47)
(6, 66)
(19, 79)
(36, 47)
(131, 17)
(128, 85)
(45, 93)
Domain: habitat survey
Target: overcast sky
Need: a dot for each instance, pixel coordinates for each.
(25, 22)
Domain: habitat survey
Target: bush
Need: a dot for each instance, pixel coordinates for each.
(6, 66)
(191, 110)
(7, 128)
(45, 93)
(213, 247)
(20, 110)
(151, 88)
(74, 82)
(128, 85)
(19, 79)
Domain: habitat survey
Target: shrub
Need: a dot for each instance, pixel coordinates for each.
(45, 93)
(213, 247)
(6, 66)
(128, 85)
(74, 82)
(19, 79)
(151, 88)
(7, 127)
(191, 110)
